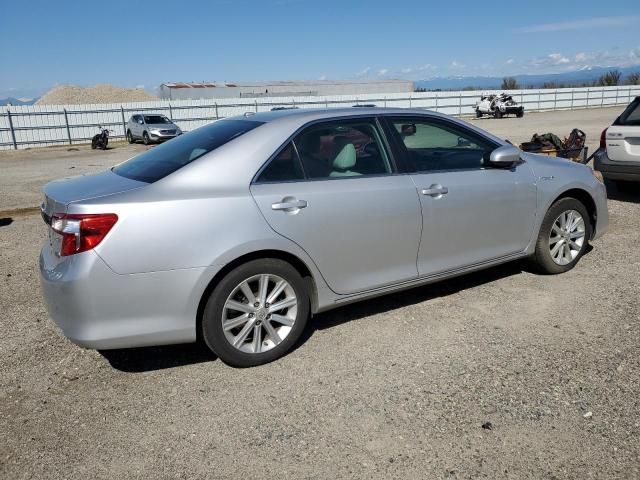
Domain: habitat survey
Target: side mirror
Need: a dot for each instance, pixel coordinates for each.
(505, 156)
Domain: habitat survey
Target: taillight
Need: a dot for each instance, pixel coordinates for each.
(603, 139)
(82, 232)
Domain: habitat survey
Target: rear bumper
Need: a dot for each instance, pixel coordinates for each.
(616, 170)
(97, 308)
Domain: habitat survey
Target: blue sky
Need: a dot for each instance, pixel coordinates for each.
(129, 43)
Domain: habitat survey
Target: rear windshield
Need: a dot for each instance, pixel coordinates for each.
(631, 115)
(164, 159)
(151, 119)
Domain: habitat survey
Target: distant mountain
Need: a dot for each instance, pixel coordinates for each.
(586, 74)
(17, 101)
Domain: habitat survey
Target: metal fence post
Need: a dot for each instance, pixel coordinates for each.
(124, 122)
(555, 99)
(170, 112)
(571, 99)
(617, 90)
(602, 97)
(409, 100)
(256, 101)
(13, 133)
(435, 96)
(66, 122)
(460, 104)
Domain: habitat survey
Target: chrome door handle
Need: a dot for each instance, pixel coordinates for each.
(435, 190)
(289, 204)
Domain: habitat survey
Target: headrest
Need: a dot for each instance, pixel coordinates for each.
(346, 157)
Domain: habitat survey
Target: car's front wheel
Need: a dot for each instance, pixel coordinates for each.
(563, 236)
(129, 136)
(145, 138)
(256, 313)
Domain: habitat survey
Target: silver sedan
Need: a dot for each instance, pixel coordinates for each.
(241, 230)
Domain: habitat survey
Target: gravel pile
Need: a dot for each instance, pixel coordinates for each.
(103, 93)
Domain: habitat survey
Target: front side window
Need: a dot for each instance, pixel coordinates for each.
(337, 149)
(166, 158)
(433, 145)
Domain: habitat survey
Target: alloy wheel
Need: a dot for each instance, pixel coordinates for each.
(567, 237)
(259, 313)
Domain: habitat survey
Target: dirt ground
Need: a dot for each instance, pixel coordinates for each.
(499, 374)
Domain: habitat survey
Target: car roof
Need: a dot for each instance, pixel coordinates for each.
(305, 115)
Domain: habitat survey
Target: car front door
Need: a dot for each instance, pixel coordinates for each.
(472, 212)
(334, 191)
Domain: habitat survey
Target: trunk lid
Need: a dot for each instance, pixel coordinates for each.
(623, 143)
(58, 194)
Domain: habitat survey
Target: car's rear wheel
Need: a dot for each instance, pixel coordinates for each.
(129, 136)
(497, 113)
(256, 313)
(563, 237)
(145, 138)
(478, 113)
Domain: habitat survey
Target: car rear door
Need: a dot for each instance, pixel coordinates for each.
(472, 212)
(334, 191)
(623, 137)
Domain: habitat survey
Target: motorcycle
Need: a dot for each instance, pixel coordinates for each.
(100, 140)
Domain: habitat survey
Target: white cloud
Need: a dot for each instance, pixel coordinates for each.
(323, 77)
(457, 65)
(406, 70)
(586, 23)
(509, 62)
(558, 59)
(364, 72)
(383, 71)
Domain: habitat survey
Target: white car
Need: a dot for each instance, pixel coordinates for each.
(498, 106)
(619, 155)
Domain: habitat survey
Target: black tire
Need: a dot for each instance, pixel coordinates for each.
(478, 113)
(520, 114)
(497, 113)
(93, 144)
(542, 256)
(145, 138)
(129, 137)
(212, 331)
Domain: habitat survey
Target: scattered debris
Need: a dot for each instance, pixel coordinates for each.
(487, 426)
(588, 414)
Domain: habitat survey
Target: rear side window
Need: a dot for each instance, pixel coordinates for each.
(631, 115)
(284, 167)
(165, 159)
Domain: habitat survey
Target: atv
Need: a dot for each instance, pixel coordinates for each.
(498, 106)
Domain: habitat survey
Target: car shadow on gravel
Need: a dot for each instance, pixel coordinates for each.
(138, 360)
(412, 296)
(624, 192)
(146, 359)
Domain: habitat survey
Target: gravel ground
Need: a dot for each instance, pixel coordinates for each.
(396, 387)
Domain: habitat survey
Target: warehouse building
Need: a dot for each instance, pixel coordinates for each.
(195, 91)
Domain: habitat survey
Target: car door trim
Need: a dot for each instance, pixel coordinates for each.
(426, 279)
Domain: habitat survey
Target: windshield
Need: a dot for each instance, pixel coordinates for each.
(164, 159)
(152, 119)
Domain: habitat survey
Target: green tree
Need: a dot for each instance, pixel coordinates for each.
(633, 79)
(509, 83)
(609, 79)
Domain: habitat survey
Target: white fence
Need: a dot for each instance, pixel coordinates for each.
(41, 125)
